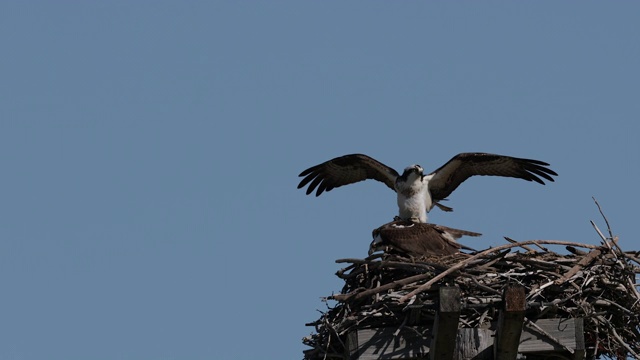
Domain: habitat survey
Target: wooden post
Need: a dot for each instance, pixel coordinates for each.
(510, 322)
(445, 327)
(475, 344)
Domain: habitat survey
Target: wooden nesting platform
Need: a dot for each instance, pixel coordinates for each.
(498, 303)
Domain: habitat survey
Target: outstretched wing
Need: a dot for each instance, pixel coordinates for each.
(462, 166)
(344, 170)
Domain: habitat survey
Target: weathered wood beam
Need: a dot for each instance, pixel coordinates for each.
(445, 327)
(557, 335)
(510, 322)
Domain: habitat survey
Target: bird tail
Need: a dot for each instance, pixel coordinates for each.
(443, 208)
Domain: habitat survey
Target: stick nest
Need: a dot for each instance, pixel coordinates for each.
(595, 283)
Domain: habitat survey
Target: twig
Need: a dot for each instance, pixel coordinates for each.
(614, 239)
(604, 217)
(604, 239)
(523, 246)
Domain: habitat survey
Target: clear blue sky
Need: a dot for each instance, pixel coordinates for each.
(150, 152)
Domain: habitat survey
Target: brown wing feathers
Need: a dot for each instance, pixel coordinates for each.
(344, 170)
(462, 166)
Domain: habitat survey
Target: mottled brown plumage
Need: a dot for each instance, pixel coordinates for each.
(417, 239)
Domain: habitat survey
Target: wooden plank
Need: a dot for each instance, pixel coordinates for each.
(445, 327)
(510, 322)
(380, 343)
(568, 332)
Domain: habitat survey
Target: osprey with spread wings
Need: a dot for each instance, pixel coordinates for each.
(419, 193)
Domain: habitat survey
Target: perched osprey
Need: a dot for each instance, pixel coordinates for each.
(417, 239)
(419, 193)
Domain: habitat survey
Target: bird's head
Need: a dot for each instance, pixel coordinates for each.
(412, 172)
(410, 182)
